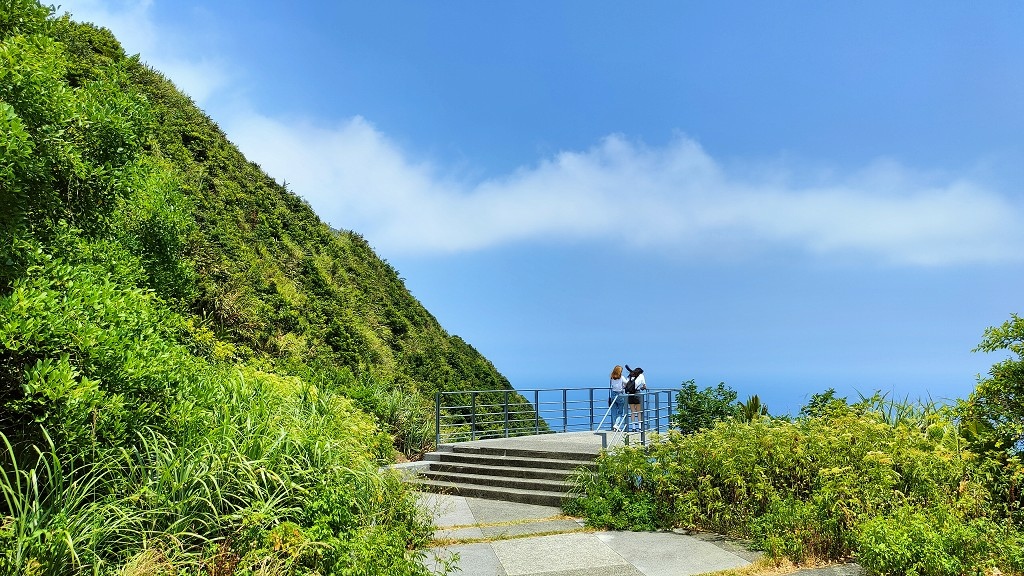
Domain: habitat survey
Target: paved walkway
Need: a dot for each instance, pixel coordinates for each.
(496, 538)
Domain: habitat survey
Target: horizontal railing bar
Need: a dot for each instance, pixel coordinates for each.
(543, 390)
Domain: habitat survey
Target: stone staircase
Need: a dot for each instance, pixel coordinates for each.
(527, 476)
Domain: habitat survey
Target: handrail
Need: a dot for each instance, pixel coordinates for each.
(477, 414)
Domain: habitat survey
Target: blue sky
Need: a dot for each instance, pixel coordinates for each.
(785, 197)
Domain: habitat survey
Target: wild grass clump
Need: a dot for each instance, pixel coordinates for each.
(291, 485)
(897, 494)
(402, 412)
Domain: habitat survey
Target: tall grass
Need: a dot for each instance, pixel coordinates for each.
(406, 415)
(51, 516)
(282, 477)
(918, 414)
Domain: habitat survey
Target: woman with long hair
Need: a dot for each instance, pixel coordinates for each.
(616, 398)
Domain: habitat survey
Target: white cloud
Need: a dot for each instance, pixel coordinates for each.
(681, 198)
(131, 21)
(677, 197)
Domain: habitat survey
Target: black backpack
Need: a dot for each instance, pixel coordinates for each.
(630, 387)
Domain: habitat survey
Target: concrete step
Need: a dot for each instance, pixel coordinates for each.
(531, 473)
(539, 497)
(502, 471)
(517, 452)
(506, 461)
(497, 481)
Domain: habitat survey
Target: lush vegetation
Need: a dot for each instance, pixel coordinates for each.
(900, 487)
(197, 375)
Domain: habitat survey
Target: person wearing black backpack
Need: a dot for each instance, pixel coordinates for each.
(633, 386)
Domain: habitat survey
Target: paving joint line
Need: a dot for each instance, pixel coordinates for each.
(517, 522)
(443, 542)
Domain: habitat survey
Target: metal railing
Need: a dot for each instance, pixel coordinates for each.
(480, 414)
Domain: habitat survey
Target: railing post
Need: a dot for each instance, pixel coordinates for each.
(536, 411)
(472, 418)
(668, 425)
(591, 409)
(506, 413)
(657, 412)
(643, 419)
(565, 410)
(437, 418)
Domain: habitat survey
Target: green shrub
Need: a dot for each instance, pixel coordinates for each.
(700, 409)
(77, 345)
(801, 531)
(370, 523)
(50, 517)
(935, 542)
(819, 488)
(407, 416)
(622, 494)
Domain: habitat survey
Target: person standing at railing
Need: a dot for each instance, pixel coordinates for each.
(633, 386)
(616, 399)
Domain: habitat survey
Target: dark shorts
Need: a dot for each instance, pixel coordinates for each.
(634, 398)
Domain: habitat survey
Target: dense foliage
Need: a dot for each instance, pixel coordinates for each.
(895, 486)
(197, 375)
(994, 413)
(700, 409)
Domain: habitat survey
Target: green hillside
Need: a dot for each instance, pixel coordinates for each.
(195, 370)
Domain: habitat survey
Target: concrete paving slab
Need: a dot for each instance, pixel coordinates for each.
(474, 560)
(557, 554)
(599, 571)
(447, 510)
(492, 511)
(669, 554)
(725, 543)
(571, 553)
(538, 527)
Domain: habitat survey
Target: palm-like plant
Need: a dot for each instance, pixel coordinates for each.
(751, 410)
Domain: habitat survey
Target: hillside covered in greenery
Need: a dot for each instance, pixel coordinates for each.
(197, 375)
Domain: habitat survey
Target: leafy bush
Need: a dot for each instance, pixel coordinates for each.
(49, 514)
(256, 455)
(935, 542)
(407, 416)
(814, 489)
(621, 495)
(995, 410)
(700, 409)
(77, 345)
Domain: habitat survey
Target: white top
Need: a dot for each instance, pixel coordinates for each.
(641, 383)
(617, 384)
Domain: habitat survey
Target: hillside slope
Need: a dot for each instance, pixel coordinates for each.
(197, 375)
(224, 244)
